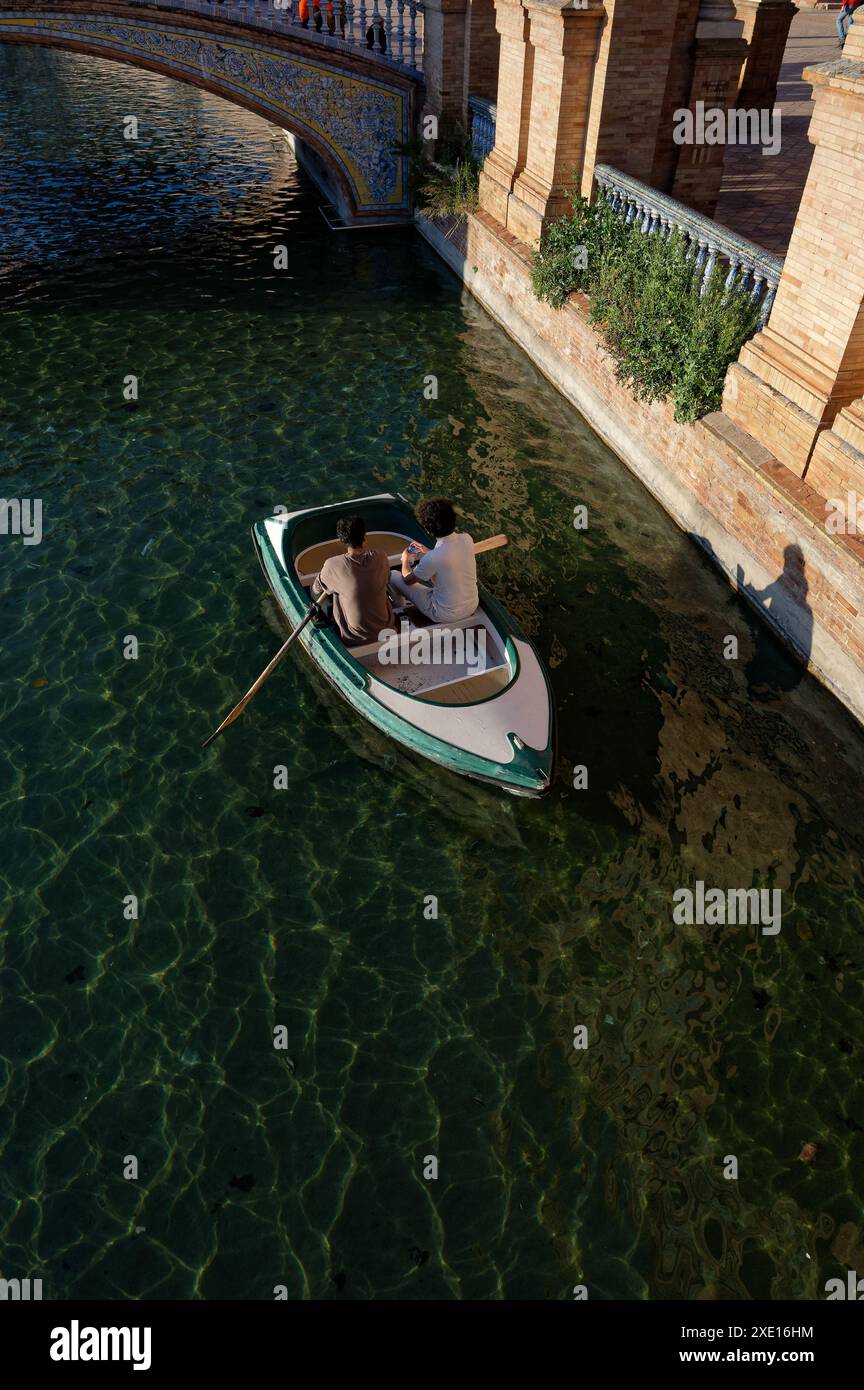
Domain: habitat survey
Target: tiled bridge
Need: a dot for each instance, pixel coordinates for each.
(344, 76)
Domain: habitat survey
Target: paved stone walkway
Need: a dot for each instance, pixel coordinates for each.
(759, 195)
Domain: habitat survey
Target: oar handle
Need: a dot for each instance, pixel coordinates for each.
(491, 544)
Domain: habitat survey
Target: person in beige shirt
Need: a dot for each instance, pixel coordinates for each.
(358, 582)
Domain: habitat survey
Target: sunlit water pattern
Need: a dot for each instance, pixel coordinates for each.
(153, 1038)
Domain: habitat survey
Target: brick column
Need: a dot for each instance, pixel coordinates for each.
(766, 29)
(718, 55)
(793, 378)
(444, 24)
(481, 50)
(837, 465)
(564, 43)
(513, 102)
(642, 75)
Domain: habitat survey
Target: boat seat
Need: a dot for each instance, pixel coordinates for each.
(309, 561)
(476, 686)
(419, 620)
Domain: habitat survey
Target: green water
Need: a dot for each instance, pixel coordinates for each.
(153, 1037)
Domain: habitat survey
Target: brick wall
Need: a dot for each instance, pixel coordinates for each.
(563, 44)
(445, 31)
(676, 95)
(716, 72)
(766, 29)
(794, 377)
(729, 493)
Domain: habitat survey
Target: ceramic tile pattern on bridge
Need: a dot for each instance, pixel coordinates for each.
(759, 195)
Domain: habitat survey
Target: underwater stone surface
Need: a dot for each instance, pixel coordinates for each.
(406, 1037)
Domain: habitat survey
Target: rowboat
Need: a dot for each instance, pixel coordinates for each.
(482, 706)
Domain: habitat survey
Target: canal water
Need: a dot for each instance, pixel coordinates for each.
(147, 1042)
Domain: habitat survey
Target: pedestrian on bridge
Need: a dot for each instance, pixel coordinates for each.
(844, 18)
(381, 36)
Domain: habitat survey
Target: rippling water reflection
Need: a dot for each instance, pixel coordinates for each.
(259, 908)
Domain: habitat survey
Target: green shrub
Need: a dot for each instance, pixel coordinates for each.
(666, 337)
(563, 262)
(447, 185)
(723, 323)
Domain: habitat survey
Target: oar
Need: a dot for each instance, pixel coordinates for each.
(268, 671)
(492, 544)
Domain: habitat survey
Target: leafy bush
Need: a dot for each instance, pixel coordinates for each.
(668, 338)
(569, 249)
(724, 322)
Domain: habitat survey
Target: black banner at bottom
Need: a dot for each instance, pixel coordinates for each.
(160, 1339)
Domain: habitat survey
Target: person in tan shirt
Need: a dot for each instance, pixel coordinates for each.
(358, 582)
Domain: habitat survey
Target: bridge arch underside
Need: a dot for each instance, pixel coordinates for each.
(350, 116)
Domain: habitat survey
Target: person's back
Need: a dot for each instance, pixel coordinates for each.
(358, 582)
(451, 569)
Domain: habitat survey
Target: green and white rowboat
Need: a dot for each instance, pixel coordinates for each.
(491, 718)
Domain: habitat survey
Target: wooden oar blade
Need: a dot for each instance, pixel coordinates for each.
(235, 714)
(253, 689)
(491, 544)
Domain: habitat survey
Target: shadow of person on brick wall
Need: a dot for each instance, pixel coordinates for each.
(772, 669)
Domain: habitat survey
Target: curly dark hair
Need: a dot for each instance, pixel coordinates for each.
(351, 530)
(436, 515)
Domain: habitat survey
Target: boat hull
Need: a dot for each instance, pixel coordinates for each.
(470, 739)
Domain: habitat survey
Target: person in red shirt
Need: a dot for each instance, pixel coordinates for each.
(303, 9)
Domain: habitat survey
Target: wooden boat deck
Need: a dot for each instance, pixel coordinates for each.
(310, 561)
(472, 688)
(448, 682)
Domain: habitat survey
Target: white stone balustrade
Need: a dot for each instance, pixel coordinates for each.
(749, 269)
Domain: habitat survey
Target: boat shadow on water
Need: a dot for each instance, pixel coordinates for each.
(484, 811)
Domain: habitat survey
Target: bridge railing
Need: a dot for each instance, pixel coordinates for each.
(390, 31)
(483, 115)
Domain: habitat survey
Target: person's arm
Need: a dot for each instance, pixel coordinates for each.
(322, 583)
(758, 595)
